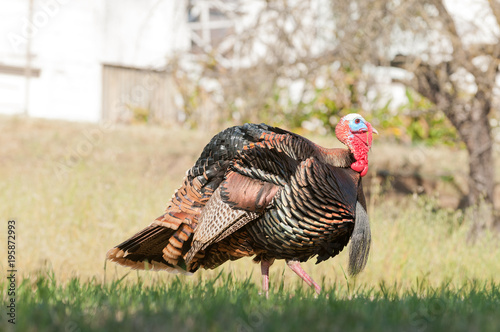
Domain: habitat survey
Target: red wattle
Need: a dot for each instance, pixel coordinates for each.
(360, 166)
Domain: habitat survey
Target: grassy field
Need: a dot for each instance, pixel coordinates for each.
(76, 190)
(227, 304)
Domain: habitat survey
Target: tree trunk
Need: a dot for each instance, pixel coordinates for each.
(476, 134)
(481, 170)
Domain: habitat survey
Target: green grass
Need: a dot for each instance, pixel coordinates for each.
(422, 275)
(233, 304)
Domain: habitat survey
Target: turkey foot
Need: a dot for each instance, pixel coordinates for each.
(295, 266)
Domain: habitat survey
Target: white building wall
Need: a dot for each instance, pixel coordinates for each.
(70, 42)
(143, 33)
(11, 87)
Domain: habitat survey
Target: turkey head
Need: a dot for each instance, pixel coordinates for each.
(356, 133)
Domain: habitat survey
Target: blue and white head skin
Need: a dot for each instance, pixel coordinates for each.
(356, 133)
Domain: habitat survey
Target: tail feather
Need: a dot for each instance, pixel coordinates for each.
(143, 240)
(145, 250)
(360, 241)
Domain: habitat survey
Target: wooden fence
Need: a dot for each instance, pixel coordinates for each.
(137, 95)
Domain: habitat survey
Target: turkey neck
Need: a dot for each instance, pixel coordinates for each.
(336, 157)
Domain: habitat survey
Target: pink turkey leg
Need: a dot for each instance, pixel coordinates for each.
(295, 266)
(264, 268)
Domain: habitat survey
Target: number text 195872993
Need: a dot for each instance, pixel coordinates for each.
(12, 271)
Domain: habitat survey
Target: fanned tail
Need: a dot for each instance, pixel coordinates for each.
(154, 248)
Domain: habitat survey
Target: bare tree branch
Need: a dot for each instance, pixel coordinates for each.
(495, 9)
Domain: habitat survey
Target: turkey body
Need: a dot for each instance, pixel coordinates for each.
(256, 190)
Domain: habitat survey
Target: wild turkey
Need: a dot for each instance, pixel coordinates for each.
(262, 191)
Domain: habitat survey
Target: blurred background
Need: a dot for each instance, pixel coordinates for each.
(134, 89)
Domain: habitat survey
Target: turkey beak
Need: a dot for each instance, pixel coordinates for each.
(374, 131)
